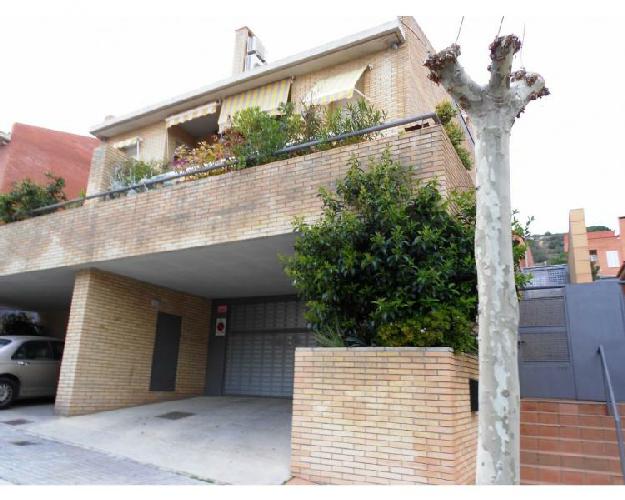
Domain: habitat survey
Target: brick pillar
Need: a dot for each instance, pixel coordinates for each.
(103, 161)
(579, 256)
(109, 345)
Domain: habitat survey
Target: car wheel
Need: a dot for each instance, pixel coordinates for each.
(8, 392)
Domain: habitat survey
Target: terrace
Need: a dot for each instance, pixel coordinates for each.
(215, 236)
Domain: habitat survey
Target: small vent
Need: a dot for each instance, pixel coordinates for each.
(537, 347)
(546, 311)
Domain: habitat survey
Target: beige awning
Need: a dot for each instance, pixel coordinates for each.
(191, 114)
(126, 143)
(335, 88)
(268, 98)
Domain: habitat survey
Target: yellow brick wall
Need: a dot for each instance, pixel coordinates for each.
(110, 341)
(251, 203)
(383, 416)
(153, 141)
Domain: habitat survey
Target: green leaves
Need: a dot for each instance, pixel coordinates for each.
(385, 253)
(27, 195)
(446, 113)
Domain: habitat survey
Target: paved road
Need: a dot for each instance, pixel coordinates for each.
(26, 459)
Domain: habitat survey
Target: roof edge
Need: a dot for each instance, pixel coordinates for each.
(344, 43)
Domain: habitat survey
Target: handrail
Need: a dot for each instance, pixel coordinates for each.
(229, 162)
(613, 407)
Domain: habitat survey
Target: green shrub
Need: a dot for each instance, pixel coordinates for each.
(388, 263)
(264, 134)
(27, 195)
(446, 113)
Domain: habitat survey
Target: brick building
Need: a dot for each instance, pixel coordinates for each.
(30, 152)
(179, 291)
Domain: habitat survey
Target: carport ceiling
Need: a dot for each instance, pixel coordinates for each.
(237, 269)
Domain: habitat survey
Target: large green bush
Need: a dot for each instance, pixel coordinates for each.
(389, 263)
(27, 195)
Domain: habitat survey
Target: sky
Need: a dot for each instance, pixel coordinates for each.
(66, 65)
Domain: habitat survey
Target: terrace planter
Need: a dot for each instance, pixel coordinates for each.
(377, 415)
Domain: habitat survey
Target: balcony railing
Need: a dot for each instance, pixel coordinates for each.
(162, 179)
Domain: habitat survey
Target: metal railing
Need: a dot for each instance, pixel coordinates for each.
(144, 185)
(613, 408)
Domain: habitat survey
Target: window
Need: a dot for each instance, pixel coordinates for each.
(131, 151)
(613, 260)
(57, 350)
(4, 342)
(593, 256)
(34, 350)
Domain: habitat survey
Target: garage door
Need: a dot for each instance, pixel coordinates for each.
(261, 344)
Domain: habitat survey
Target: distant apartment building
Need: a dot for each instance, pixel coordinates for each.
(604, 249)
(30, 152)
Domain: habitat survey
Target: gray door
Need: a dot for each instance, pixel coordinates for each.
(165, 355)
(261, 340)
(545, 366)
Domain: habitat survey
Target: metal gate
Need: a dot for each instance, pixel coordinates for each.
(260, 350)
(545, 366)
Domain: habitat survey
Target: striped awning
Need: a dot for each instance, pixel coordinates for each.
(335, 88)
(126, 143)
(191, 114)
(268, 98)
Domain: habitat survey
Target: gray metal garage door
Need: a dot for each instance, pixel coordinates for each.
(261, 341)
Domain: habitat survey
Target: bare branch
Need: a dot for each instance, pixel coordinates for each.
(526, 87)
(502, 52)
(445, 69)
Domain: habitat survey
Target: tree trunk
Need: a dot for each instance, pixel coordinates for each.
(498, 433)
(494, 108)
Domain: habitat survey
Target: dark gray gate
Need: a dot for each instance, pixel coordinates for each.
(256, 356)
(545, 366)
(560, 331)
(165, 355)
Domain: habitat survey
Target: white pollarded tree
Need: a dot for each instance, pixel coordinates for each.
(493, 108)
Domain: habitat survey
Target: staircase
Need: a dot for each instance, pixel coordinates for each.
(568, 442)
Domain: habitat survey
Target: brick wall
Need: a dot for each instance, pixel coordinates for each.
(383, 416)
(255, 202)
(110, 342)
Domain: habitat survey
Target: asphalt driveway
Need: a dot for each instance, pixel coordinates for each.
(228, 440)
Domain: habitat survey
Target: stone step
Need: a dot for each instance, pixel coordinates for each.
(602, 421)
(542, 474)
(568, 432)
(586, 463)
(568, 407)
(573, 446)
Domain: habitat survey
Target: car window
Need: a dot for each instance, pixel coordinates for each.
(4, 342)
(34, 350)
(57, 350)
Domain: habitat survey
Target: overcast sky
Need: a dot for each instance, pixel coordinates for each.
(66, 68)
